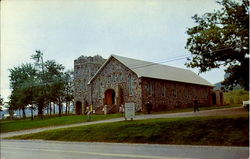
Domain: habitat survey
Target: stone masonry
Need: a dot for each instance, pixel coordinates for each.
(115, 84)
(165, 95)
(84, 68)
(115, 76)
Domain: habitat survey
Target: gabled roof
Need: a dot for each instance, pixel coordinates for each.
(157, 71)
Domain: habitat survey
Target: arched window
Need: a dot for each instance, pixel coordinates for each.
(131, 85)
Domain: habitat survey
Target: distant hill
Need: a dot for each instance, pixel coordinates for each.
(219, 86)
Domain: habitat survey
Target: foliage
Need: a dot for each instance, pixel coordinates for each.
(54, 78)
(22, 80)
(1, 100)
(236, 96)
(227, 130)
(221, 38)
(39, 83)
(1, 103)
(68, 91)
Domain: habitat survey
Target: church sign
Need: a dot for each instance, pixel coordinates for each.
(129, 111)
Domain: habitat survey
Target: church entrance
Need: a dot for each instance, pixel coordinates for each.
(109, 97)
(78, 107)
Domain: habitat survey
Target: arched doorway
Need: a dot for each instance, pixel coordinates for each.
(110, 97)
(213, 98)
(78, 107)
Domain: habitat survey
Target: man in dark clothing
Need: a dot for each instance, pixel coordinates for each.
(149, 107)
(196, 104)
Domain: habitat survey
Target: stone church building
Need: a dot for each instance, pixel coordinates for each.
(119, 80)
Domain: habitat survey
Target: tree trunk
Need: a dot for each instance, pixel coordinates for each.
(66, 110)
(40, 111)
(54, 108)
(32, 115)
(24, 115)
(47, 109)
(60, 108)
(50, 109)
(69, 108)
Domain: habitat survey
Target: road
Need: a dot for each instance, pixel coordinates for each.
(218, 112)
(20, 149)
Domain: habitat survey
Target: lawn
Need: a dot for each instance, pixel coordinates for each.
(226, 130)
(21, 124)
(192, 109)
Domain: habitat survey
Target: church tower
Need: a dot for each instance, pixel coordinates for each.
(85, 68)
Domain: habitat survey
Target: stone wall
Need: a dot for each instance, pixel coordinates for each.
(119, 78)
(84, 68)
(166, 95)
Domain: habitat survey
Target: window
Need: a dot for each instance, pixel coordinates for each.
(187, 93)
(122, 78)
(175, 91)
(119, 77)
(151, 88)
(114, 78)
(99, 89)
(131, 87)
(108, 79)
(163, 92)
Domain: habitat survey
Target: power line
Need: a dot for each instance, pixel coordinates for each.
(159, 61)
(175, 58)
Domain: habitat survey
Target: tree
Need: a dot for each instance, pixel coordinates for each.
(41, 94)
(68, 78)
(221, 38)
(21, 80)
(38, 84)
(1, 100)
(1, 106)
(55, 79)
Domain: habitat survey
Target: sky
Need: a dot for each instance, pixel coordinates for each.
(151, 30)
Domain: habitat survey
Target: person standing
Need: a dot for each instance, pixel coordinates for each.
(196, 105)
(149, 107)
(89, 111)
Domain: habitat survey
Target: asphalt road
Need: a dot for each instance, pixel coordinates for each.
(217, 112)
(20, 149)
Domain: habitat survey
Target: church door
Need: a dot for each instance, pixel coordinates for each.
(110, 97)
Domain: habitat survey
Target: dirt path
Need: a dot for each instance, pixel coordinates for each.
(215, 112)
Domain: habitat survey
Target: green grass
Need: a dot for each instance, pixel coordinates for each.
(192, 109)
(22, 124)
(227, 130)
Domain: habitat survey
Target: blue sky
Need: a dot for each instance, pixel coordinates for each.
(64, 30)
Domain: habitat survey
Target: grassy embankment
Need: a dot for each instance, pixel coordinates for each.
(22, 124)
(226, 130)
(192, 109)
